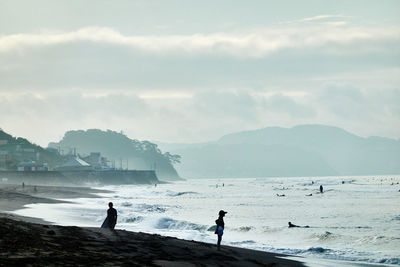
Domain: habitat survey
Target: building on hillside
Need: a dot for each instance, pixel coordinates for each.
(3, 142)
(4, 160)
(31, 166)
(75, 164)
(53, 150)
(96, 161)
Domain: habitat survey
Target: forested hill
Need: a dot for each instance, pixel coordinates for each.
(18, 149)
(117, 147)
(304, 150)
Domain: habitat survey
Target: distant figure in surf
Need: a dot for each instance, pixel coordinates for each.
(321, 189)
(219, 230)
(293, 225)
(23, 185)
(111, 219)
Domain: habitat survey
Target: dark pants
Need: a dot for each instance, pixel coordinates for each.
(219, 240)
(112, 224)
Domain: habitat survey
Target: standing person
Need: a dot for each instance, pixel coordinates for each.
(220, 227)
(111, 219)
(321, 189)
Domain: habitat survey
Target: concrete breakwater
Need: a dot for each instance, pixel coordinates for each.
(108, 177)
(113, 177)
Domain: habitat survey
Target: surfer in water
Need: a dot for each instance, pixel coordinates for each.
(293, 225)
(220, 227)
(321, 189)
(111, 219)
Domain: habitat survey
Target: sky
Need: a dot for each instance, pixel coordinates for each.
(192, 71)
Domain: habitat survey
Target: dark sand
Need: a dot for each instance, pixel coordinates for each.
(30, 242)
(23, 243)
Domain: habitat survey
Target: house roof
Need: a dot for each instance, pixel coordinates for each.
(76, 161)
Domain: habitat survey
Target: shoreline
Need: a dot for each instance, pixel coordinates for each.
(170, 251)
(27, 240)
(15, 197)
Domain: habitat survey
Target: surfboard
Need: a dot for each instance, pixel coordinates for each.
(105, 223)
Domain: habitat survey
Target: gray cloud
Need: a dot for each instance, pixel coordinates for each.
(197, 72)
(226, 104)
(344, 101)
(253, 44)
(204, 116)
(105, 67)
(283, 104)
(49, 115)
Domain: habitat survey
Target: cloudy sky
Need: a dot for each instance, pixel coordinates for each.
(192, 71)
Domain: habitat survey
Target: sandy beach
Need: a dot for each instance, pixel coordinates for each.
(32, 242)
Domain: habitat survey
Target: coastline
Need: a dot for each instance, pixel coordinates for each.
(15, 197)
(36, 242)
(32, 241)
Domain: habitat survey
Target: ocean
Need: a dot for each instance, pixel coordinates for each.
(355, 219)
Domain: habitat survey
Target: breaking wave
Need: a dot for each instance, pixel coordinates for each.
(133, 219)
(151, 208)
(317, 250)
(390, 261)
(397, 218)
(324, 236)
(245, 242)
(245, 228)
(176, 194)
(334, 255)
(169, 223)
(304, 252)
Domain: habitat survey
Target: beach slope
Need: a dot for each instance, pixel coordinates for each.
(29, 244)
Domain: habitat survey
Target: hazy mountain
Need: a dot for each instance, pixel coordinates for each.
(123, 151)
(306, 150)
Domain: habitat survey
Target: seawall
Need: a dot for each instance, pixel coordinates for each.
(111, 177)
(34, 177)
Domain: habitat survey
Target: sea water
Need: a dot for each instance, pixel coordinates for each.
(354, 219)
